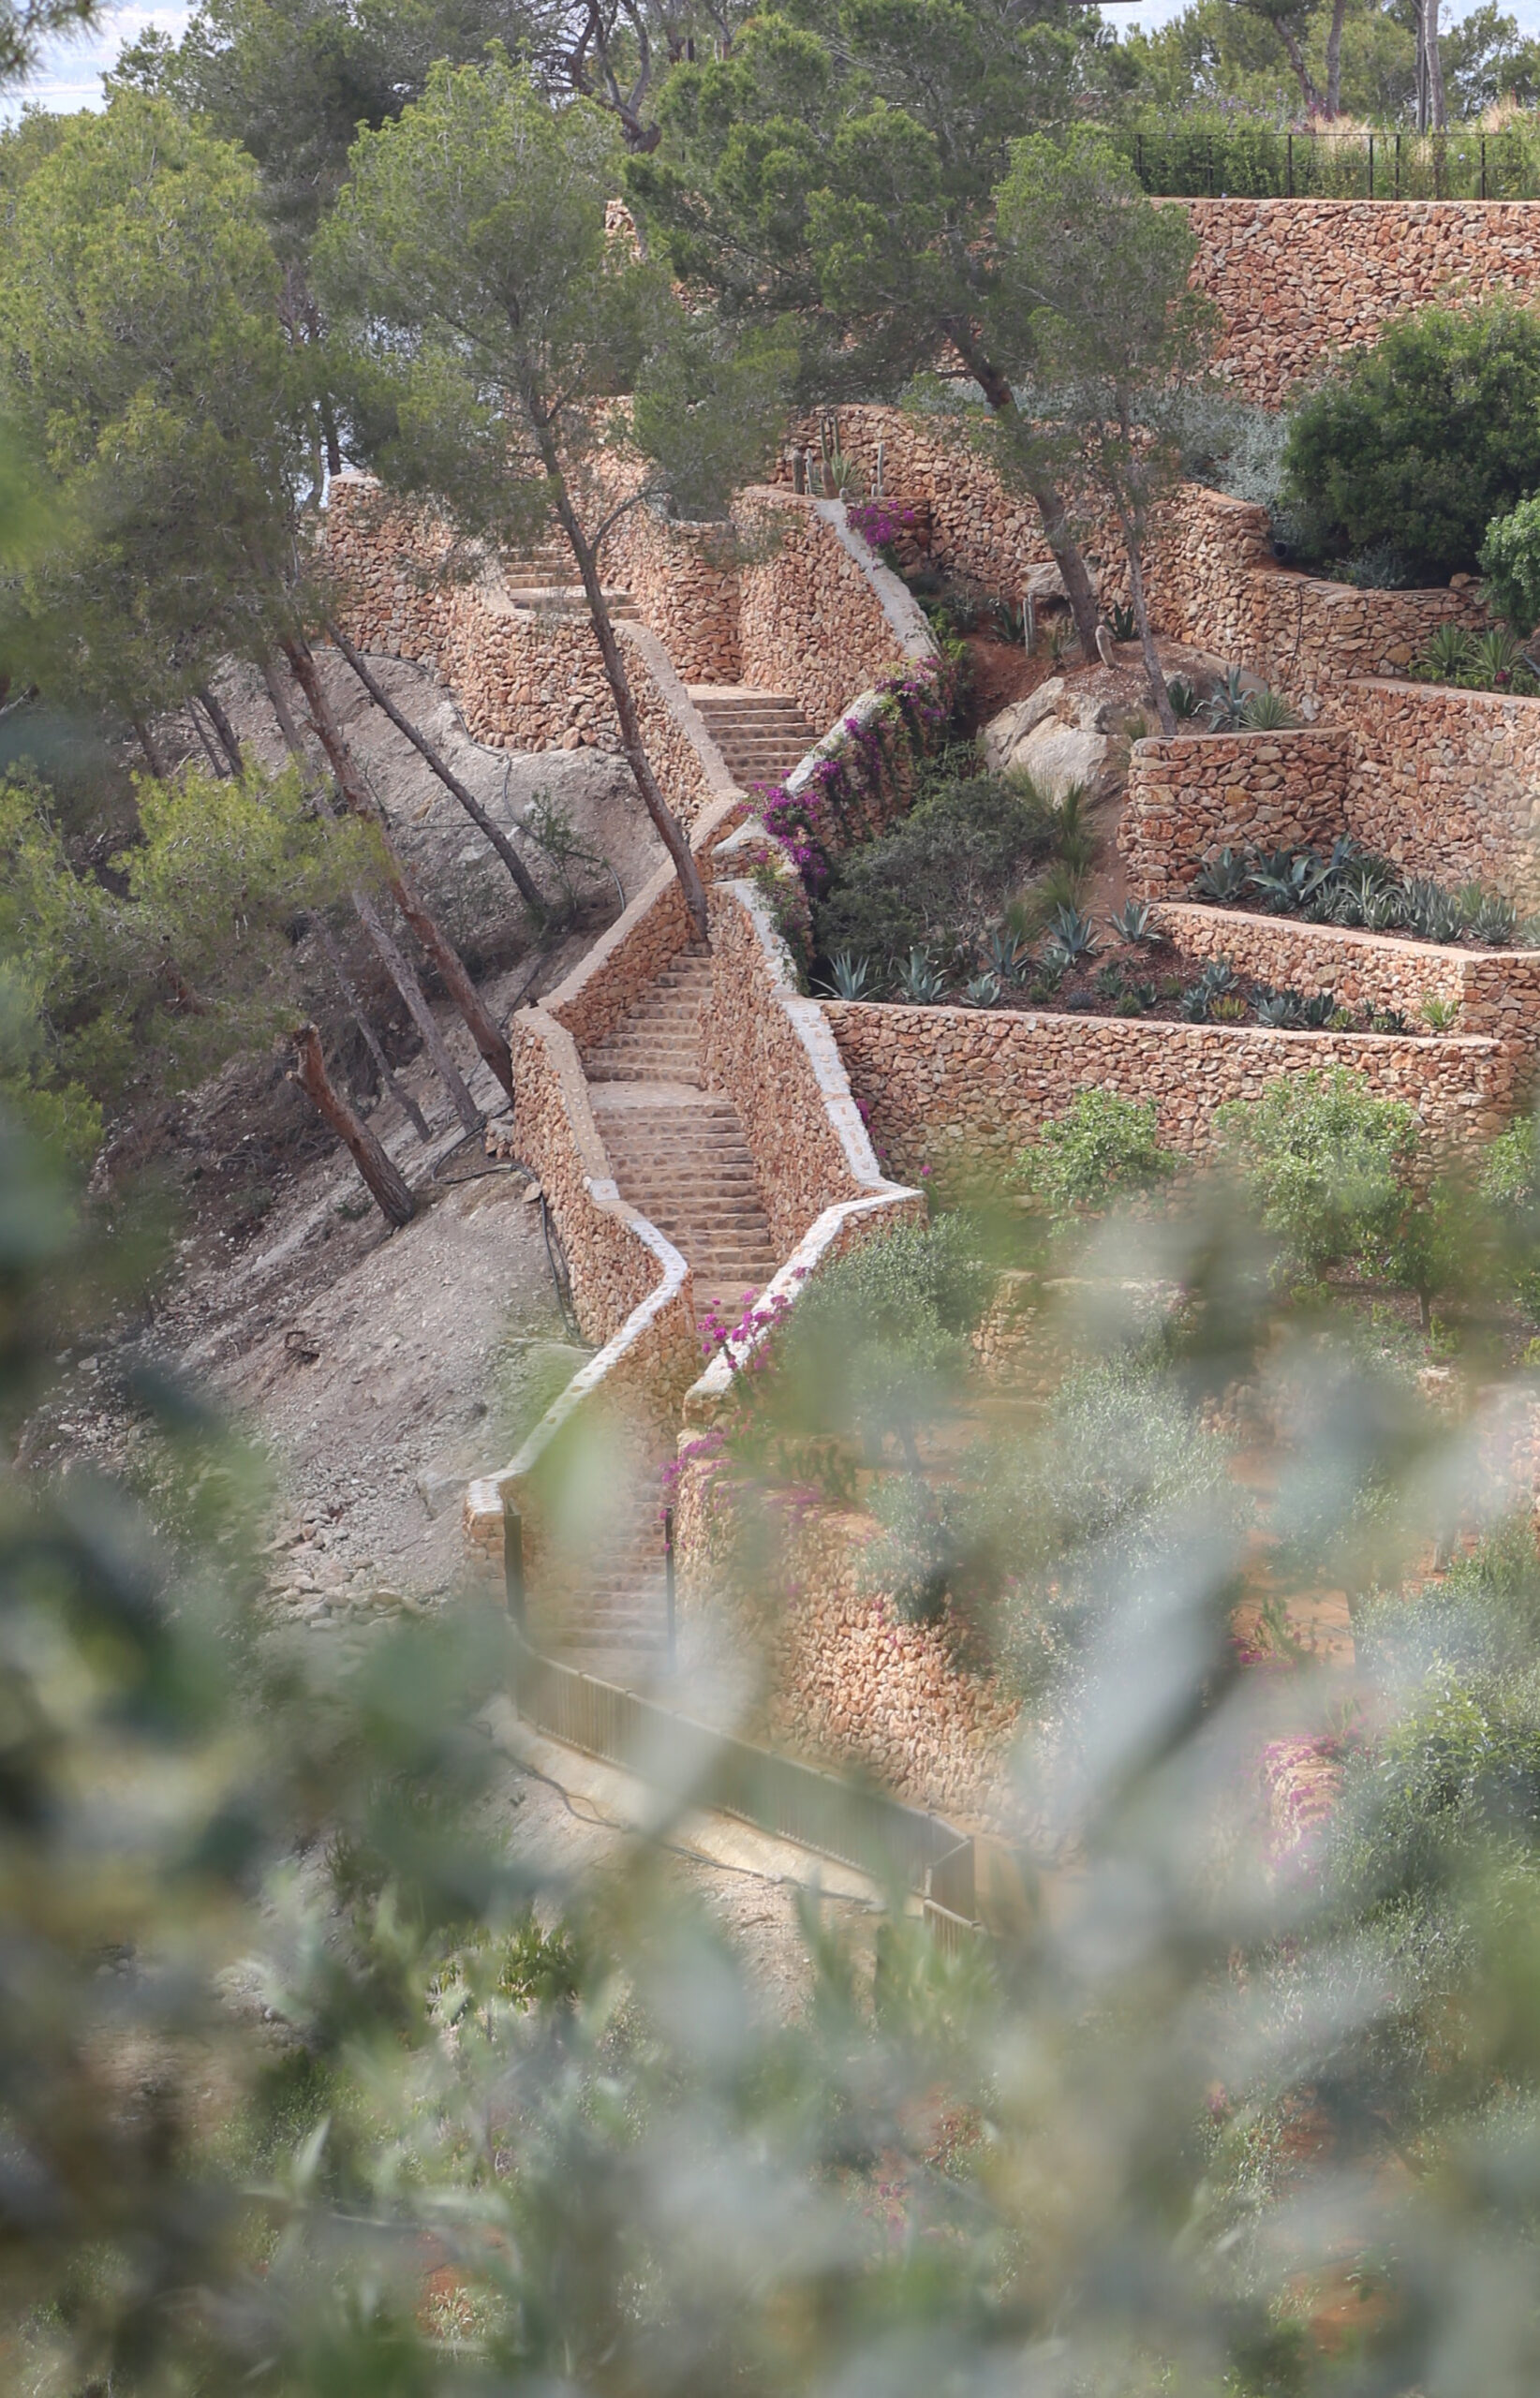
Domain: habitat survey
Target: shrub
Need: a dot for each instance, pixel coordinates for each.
(1421, 440)
(1102, 1149)
(1324, 1162)
(1510, 560)
(937, 880)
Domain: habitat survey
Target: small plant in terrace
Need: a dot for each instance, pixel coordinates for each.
(1492, 920)
(1268, 712)
(920, 981)
(1224, 880)
(983, 992)
(850, 976)
(1010, 958)
(1122, 624)
(1439, 1014)
(1072, 936)
(1445, 655)
(1325, 1164)
(1226, 708)
(1185, 702)
(1103, 1150)
(1134, 922)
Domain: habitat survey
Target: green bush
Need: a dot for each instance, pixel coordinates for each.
(1103, 1150)
(942, 876)
(1325, 1163)
(1510, 560)
(1423, 439)
(878, 1340)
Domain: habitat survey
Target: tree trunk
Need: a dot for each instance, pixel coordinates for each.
(142, 734)
(1435, 65)
(1334, 59)
(402, 1096)
(670, 832)
(387, 1184)
(1046, 496)
(461, 990)
(1134, 543)
(223, 727)
(527, 888)
(1308, 91)
(217, 763)
(396, 964)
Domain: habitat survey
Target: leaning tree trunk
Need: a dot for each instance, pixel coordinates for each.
(388, 953)
(669, 831)
(1046, 496)
(461, 990)
(223, 727)
(529, 889)
(396, 1090)
(387, 1184)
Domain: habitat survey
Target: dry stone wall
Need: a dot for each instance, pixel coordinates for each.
(817, 619)
(1447, 782)
(1298, 279)
(1213, 580)
(525, 679)
(1193, 795)
(951, 1091)
(1496, 991)
(683, 579)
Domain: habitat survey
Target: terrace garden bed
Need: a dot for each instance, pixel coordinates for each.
(1354, 889)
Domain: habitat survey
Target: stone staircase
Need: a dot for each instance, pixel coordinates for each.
(617, 1621)
(546, 577)
(761, 734)
(677, 1149)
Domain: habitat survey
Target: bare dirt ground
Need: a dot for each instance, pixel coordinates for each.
(377, 1369)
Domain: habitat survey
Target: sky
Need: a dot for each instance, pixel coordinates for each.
(71, 75)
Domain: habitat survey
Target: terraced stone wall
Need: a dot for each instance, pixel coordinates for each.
(1447, 782)
(820, 618)
(1496, 991)
(1198, 793)
(949, 1091)
(683, 579)
(524, 680)
(1212, 577)
(1298, 279)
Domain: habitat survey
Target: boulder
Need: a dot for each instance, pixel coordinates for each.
(1058, 737)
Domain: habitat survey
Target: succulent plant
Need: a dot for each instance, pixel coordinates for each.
(919, 980)
(1136, 921)
(1223, 879)
(850, 976)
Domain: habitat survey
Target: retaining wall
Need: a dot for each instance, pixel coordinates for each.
(1297, 279)
(820, 617)
(1496, 991)
(524, 678)
(683, 579)
(1447, 782)
(952, 1092)
(1190, 796)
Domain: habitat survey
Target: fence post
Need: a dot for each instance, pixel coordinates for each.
(1210, 165)
(1139, 156)
(514, 1563)
(1398, 166)
(1483, 165)
(668, 1583)
(1371, 166)
(1288, 171)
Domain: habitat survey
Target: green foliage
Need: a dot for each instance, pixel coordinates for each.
(943, 875)
(149, 982)
(1101, 1151)
(144, 366)
(879, 1340)
(1510, 560)
(1424, 438)
(1324, 1162)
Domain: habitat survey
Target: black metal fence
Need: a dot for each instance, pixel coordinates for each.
(1191, 160)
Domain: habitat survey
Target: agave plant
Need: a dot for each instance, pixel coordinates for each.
(1122, 623)
(850, 976)
(1494, 922)
(1316, 1012)
(1287, 880)
(1185, 702)
(921, 980)
(1228, 1009)
(1494, 655)
(1267, 711)
(1194, 1005)
(1431, 913)
(1217, 977)
(1074, 935)
(1382, 909)
(983, 991)
(1134, 921)
(1227, 708)
(1277, 1011)
(1010, 958)
(1446, 654)
(1439, 1014)
(1224, 877)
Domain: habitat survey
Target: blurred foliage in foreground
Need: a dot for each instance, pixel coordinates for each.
(313, 2082)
